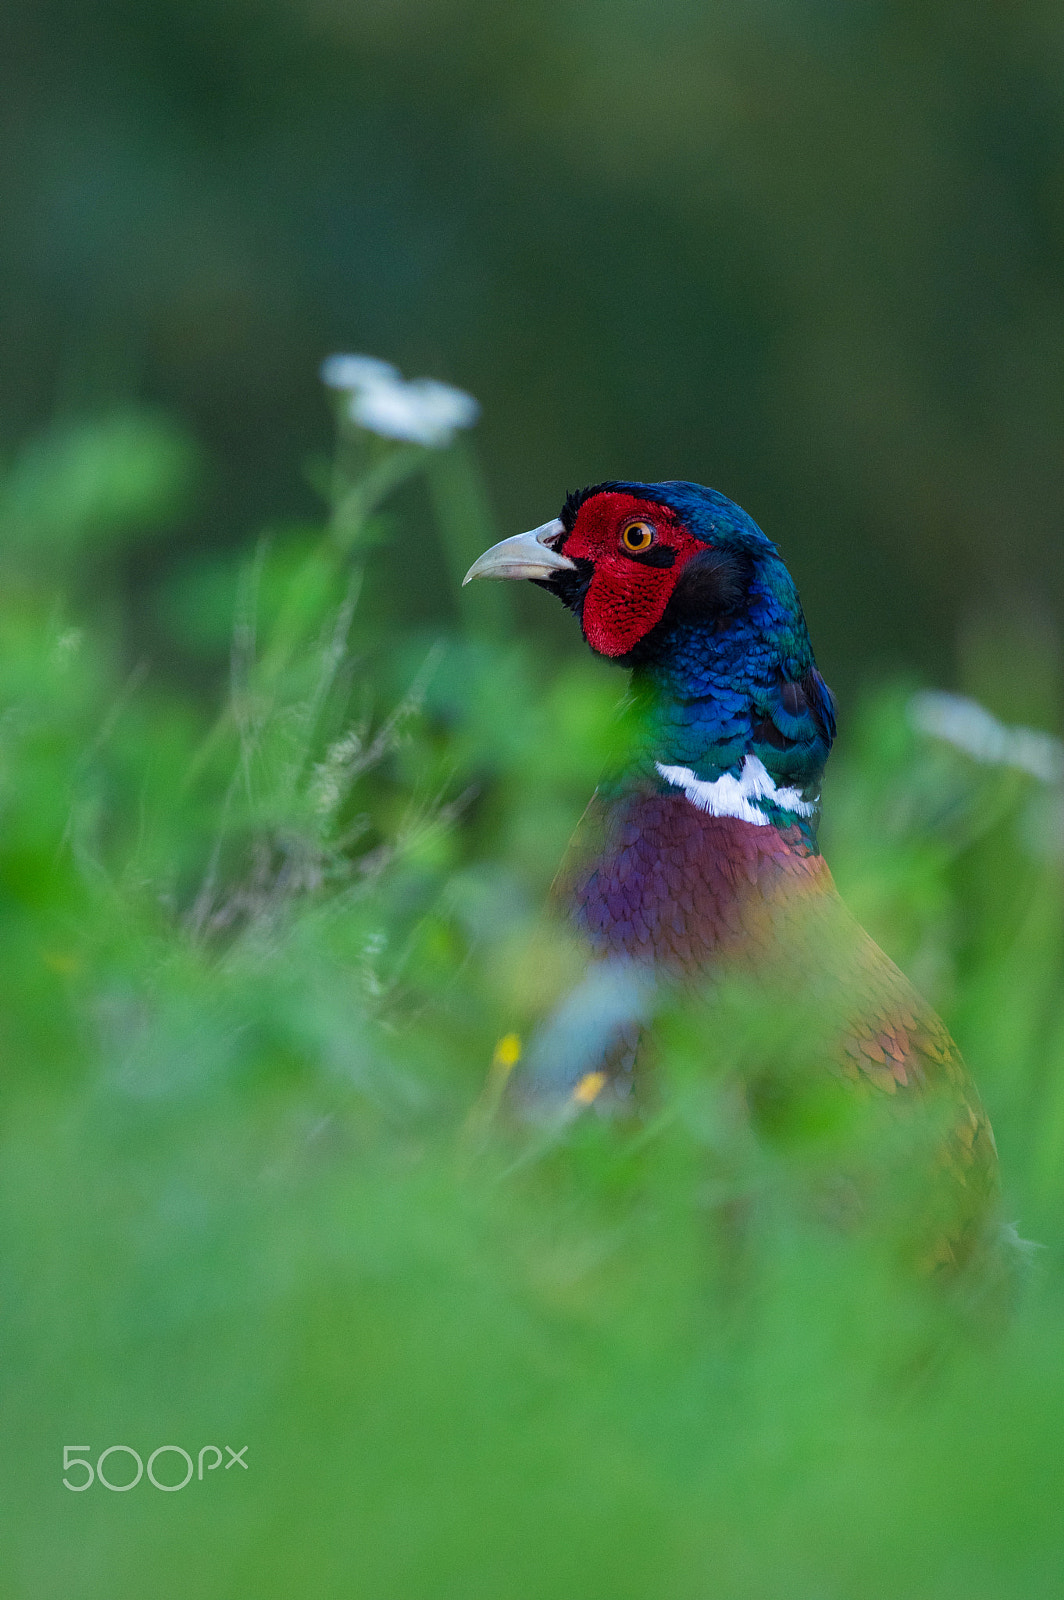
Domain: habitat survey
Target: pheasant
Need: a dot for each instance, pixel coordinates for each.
(698, 863)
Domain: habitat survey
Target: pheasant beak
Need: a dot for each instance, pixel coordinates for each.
(526, 555)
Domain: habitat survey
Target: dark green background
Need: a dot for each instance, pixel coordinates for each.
(807, 251)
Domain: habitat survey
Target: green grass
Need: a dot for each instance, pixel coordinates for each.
(255, 958)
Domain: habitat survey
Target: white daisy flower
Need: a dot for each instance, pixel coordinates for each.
(421, 410)
(354, 372)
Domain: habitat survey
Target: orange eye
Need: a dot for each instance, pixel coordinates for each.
(637, 536)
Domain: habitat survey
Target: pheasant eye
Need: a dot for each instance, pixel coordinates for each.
(637, 536)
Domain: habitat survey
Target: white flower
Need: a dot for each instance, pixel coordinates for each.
(422, 410)
(353, 372)
(971, 727)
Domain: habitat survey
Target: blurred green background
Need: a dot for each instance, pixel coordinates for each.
(808, 252)
(279, 807)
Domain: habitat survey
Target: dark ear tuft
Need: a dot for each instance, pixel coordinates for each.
(573, 501)
(713, 583)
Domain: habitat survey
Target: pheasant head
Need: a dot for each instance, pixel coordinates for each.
(678, 583)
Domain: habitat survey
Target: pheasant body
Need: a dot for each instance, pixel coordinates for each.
(699, 860)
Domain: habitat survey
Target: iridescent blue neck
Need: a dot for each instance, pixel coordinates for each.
(729, 718)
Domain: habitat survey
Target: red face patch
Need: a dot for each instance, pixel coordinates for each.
(624, 537)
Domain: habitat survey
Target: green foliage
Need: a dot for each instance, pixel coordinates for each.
(806, 251)
(255, 964)
(96, 484)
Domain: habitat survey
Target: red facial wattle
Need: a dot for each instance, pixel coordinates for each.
(626, 597)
